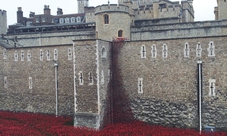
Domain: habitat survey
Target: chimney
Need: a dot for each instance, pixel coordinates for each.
(46, 10)
(32, 14)
(59, 11)
(19, 15)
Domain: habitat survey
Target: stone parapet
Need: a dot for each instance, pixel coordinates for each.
(112, 8)
(179, 30)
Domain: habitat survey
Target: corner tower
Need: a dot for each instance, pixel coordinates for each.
(81, 4)
(113, 21)
(220, 11)
(3, 22)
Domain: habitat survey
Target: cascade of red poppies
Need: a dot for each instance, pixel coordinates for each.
(119, 102)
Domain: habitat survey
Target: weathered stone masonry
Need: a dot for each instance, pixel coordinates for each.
(17, 96)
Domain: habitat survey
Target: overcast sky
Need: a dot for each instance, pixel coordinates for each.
(204, 9)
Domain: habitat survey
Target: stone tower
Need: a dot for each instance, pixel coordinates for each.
(113, 21)
(220, 11)
(3, 22)
(81, 4)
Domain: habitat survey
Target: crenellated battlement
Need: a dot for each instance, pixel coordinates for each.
(2, 12)
(111, 8)
(144, 9)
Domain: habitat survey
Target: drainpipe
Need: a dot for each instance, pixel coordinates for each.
(56, 85)
(200, 81)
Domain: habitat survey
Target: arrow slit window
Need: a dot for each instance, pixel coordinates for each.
(140, 85)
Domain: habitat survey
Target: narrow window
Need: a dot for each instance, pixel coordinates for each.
(73, 20)
(69, 54)
(22, 55)
(30, 82)
(153, 51)
(120, 33)
(199, 50)
(43, 19)
(37, 20)
(109, 74)
(211, 49)
(104, 54)
(90, 78)
(48, 55)
(106, 19)
(102, 77)
(4, 54)
(41, 55)
(55, 54)
(29, 55)
(15, 56)
(212, 87)
(61, 20)
(67, 20)
(186, 50)
(140, 85)
(78, 19)
(143, 51)
(5, 82)
(81, 80)
(164, 51)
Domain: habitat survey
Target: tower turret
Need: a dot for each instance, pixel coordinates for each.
(81, 4)
(113, 21)
(220, 11)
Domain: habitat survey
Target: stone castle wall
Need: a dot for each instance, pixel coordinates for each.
(104, 56)
(19, 93)
(92, 59)
(170, 84)
(52, 38)
(179, 30)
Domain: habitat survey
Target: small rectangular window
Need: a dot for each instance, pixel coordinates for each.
(81, 78)
(69, 54)
(153, 51)
(164, 51)
(30, 82)
(22, 55)
(186, 50)
(90, 78)
(29, 55)
(48, 55)
(55, 54)
(37, 20)
(43, 19)
(5, 82)
(199, 50)
(140, 85)
(143, 51)
(104, 53)
(15, 56)
(106, 19)
(41, 55)
(212, 87)
(211, 49)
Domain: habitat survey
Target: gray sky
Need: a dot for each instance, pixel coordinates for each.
(204, 9)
